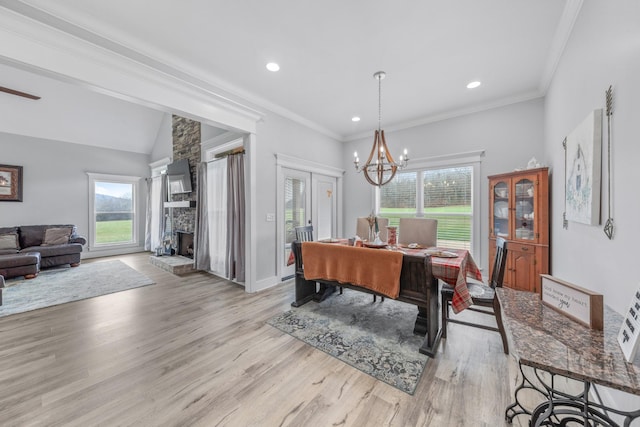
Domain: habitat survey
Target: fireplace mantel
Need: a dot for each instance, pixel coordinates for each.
(181, 204)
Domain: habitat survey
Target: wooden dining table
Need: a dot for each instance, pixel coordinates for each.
(452, 266)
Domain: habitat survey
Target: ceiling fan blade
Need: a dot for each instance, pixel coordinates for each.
(18, 93)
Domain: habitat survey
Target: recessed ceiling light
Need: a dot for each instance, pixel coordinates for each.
(272, 66)
(473, 85)
(355, 119)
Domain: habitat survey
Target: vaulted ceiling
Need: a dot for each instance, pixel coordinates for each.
(327, 51)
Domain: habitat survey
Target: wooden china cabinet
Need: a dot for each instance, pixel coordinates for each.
(519, 213)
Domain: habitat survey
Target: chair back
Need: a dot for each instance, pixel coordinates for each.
(362, 228)
(304, 233)
(423, 231)
(499, 263)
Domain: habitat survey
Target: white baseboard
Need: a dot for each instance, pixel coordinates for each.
(267, 283)
(111, 252)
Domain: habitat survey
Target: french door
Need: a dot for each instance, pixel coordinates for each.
(307, 198)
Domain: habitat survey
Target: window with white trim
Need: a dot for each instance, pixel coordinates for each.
(446, 190)
(113, 218)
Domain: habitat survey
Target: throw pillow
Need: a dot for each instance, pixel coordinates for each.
(56, 236)
(9, 241)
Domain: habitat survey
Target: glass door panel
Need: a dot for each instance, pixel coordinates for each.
(500, 208)
(524, 208)
(297, 210)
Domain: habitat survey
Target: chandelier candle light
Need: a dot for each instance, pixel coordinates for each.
(380, 167)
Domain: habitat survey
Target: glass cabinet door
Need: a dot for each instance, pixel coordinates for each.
(501, 209)
(524, 209)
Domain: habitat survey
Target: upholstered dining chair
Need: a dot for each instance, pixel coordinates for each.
(304, 233)
(482, 295)
(423, 231)
(362, 228)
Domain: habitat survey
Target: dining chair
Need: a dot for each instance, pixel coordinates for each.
(423, 231)
(482, 296)
(304, 233)
(362, 228)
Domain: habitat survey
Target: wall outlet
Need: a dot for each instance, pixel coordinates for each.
(271, 217)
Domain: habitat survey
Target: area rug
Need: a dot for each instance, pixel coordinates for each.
(61, 285)
(376, 338)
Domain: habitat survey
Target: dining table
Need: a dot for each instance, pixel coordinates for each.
(452, 266)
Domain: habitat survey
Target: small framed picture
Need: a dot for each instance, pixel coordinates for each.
(630, 328)
(10, 183)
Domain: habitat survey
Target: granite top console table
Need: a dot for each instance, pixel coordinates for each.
(546, 340)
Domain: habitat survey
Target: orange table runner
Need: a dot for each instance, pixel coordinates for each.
(373, 269)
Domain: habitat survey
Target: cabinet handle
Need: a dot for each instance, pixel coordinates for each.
(524, 248)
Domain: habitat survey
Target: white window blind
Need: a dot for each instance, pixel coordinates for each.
(444, 193)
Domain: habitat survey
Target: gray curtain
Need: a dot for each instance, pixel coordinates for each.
(201, 239)
(147, 228)
(235, 265)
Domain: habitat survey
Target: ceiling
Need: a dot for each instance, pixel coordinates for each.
(328, 52)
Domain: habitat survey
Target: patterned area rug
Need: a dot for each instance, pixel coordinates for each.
(376, 338)
(60, 285)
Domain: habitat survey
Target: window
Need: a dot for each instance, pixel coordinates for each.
(113, 216)
(446, 190)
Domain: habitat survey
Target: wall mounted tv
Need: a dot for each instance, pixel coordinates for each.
(179, 177)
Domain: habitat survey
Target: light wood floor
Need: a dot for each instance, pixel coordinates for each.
(195, 350)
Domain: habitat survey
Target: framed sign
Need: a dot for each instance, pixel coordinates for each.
(630, 329)
(10, 183)
(579, 304)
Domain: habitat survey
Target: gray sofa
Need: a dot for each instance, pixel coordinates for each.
(55, 245)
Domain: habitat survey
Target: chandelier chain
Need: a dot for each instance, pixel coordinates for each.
(379, 102)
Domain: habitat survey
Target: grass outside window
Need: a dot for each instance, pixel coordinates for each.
(114, 231)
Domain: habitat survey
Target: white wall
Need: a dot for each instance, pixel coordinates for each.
(55, 182)
(604, 49)
(163, 145)
(510, 136)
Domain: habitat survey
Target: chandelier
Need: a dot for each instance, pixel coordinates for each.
(380, 167)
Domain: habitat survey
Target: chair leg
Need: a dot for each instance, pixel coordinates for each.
(374, 298)
(498, 313)
(445, 314)
(340, 290)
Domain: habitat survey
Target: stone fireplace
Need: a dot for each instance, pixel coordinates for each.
(186, 145)
(180, 212)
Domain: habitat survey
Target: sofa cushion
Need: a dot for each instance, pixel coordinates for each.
(33, 235)
(55, 250)
(8, 251)
(9, 241)
(4, 230)
(56, 236)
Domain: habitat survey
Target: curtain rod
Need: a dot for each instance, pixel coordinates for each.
(238, 150)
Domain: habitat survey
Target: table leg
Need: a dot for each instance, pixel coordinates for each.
(305, 291)
(428, 324)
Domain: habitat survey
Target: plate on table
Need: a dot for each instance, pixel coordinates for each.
(375, 245)
(330, 241)
(412, 246)
(441, 254)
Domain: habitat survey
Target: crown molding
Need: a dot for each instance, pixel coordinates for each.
(221, 91)
(39, 42)
(449, 115)
(560, 40)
